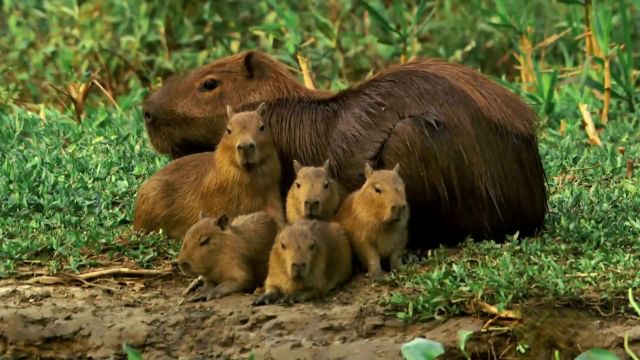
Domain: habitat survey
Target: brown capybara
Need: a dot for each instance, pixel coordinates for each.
(314, 193)
(241, 176)
(375, 218)
(308, 259)
(228, 257)
(467, 146)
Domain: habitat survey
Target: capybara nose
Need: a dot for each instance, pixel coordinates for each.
(311, 208)
(397, 210)
(246, 146)
(297, 269)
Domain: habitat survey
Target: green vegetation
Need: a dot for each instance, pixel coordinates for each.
(72, 160)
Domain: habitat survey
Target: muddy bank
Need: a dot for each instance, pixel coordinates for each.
(68, 322)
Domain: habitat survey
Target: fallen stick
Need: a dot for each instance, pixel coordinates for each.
(84, 278)
(492, 310)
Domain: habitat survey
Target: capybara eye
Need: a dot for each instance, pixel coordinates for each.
(228, 131)
(204, 241)
(312, 245)
(377, 189)
(282, 245)
(298, 185)
(209, 85)
(262, 127)
(326, 185)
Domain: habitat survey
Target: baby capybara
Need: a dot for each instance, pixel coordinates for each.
(314, 193)
(309, 258)
(228, 257)
(375, 218)
(241, 176)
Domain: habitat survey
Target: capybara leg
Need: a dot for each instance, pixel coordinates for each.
(202, 294)
(269, 297)
(300, 296)
(228, 287)
(372, 260)
(395, 260)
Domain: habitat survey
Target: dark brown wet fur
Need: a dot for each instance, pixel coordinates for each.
(467, 147)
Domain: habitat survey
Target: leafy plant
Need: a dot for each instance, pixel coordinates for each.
(421, 349)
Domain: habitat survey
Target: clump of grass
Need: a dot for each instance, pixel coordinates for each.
(67, 189)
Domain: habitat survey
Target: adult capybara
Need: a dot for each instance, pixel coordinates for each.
(314, 193)
(467, 146)
(241, 176)
(375, 218)
(309, 258)
(228, 257)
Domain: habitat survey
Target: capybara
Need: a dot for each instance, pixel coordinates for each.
(314, 193)
(228, 257)
(308, 259)
(241, 176)
(375, 218)
(467, 146)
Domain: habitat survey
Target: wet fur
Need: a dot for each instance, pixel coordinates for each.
(467, 146)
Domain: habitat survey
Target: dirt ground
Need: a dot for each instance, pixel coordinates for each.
(91, 322)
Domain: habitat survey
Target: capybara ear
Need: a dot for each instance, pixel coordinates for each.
(261, 109)
(396, 168)
(202, 214)
(368, 170)
(223, 222)
(326, 166)
(296, 166)
(253, 65)
(230, 112)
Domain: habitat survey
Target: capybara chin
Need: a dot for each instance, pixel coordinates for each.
(229, 257)
(375, 218)
(240, 177)
(314, 193)
(308, 259)
(467, 146)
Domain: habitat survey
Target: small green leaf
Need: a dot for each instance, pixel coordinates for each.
(421, 349)
(597, 354)
(132, 354)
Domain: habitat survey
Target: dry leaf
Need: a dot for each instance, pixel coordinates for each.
(590, 128)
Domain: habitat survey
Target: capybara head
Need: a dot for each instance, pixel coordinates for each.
(248, 137)
(314, 192)
(188, 113)
(297, 244)
(200, 242)
(383, 194)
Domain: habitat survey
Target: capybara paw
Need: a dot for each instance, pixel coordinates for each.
(288, 300)
(375, 275)
(265, 299)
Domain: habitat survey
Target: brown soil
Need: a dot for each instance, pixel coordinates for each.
(68, 322)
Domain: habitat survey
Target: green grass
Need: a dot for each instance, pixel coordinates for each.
(67, 190)
(589, 252)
